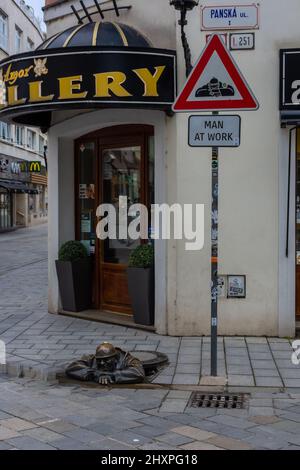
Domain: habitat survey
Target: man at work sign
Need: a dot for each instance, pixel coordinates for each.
(214, 131)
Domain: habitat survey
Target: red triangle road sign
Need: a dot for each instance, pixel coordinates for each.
(215, 83)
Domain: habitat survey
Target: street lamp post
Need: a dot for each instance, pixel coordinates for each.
(184, 6)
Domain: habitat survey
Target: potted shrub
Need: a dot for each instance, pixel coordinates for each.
(74, 272)
(141, 284)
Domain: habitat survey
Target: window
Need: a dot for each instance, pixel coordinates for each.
(3, 30)
(31, 138)
(29, 45)
(18, 40)
(41, 144)
(4, 131)
(20, 135)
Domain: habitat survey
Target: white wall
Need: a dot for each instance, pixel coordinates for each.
(252, 184)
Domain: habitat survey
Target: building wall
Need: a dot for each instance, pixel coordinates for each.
(20, 15)
(253, 181)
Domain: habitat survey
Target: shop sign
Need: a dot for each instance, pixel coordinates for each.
(289, 80)
(217, 131)
(15, 168)
(87, 78)
(227, 17)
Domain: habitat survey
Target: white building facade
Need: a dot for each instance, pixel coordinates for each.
(255, 218)
(23, 193)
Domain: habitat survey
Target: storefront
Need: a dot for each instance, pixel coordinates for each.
(104, 90)
(15, 188)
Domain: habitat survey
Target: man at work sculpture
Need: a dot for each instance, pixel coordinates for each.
(109, 365)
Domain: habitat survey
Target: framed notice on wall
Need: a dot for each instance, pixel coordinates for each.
(236, 286)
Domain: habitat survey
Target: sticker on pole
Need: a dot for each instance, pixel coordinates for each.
(215, 83)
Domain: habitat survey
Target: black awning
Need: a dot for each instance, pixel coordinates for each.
(290, 118)
(17, 187)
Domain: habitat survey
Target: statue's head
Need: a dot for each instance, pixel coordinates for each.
(106, 356)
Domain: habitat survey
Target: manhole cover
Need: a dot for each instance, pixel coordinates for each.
(210, 400)
(151, 359)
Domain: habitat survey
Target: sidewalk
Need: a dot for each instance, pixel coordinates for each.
(39, 344)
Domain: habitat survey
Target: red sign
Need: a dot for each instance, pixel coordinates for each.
(215, 83)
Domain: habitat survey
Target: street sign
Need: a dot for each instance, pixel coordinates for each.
(229, 17)
(289, 80)
(214, 131)
(215, 83)
(242, 41)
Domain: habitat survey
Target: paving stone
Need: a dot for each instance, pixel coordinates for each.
(200, 446)
(231, 421)
(188, 359)
(189, 379)
(173, 405)
(267, 442)
(266, 373)
(239, 370)
(242, 380)
(291, 382)
(42, 434)
(132, 438)
(174, 439)
(111, 444)
(179, 394)
(256, 340)
(287, 425)
(268, 381)
(229, 443)
(261, 410)
(263, 419)
(6, 433)
(28, 443)
(188, 369)
(261, 364)
(194, 433)
(67, 443)
(17, 424)
(262, 356)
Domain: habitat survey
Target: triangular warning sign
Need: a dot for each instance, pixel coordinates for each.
(215, 83)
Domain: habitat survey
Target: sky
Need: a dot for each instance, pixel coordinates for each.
(37, 6)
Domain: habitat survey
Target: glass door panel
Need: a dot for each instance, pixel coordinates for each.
(121, 170)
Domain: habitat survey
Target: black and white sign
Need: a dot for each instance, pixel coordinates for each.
(241, 41)
(289, 80)
(214, 131)
(236, 286)
(220, 17)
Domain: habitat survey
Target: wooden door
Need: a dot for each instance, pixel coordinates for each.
(122, 184)
(118, 163)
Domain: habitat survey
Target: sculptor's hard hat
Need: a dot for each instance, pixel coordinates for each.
(105, 351)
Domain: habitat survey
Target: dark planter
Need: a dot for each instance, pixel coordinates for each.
(75, 284)
(141, 292)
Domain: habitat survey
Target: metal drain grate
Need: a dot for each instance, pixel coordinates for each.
(210, 400)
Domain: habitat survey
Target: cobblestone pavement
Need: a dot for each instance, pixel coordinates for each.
(36, 415)
(39, 343)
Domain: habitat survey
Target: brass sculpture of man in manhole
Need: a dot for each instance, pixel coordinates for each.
(109, 365)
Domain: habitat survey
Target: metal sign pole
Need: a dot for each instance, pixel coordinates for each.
(214, 259)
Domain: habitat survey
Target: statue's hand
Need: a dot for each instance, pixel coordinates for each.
(105, 380)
